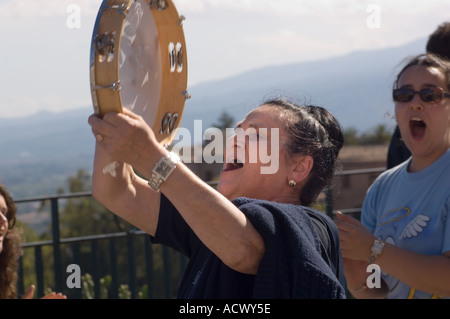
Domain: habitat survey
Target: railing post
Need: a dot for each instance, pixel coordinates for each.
(183, 263)
(95, 272)
(20, 279)
(114, 272)
(56, 245)
(77, 261)
(167, 268)
(131, 265)
(39, 271)
(329, 201)
(149, 266)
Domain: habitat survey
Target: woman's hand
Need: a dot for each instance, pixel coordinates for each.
(127, 138)
(53, 295)
(355, 239)
(356, 242)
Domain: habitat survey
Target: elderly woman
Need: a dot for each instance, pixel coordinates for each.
(255, 237)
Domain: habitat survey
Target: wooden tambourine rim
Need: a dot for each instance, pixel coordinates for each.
(173, 94)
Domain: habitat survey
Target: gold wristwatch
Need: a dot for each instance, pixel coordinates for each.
(162, 170)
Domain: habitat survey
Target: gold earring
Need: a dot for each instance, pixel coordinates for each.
(292, 183)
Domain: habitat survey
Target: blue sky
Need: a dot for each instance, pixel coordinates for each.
(44, 60)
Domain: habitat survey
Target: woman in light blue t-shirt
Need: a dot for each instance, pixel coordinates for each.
(405, 220)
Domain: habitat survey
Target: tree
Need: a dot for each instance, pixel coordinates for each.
(86, 216)
(225, 121)
(377, 136)
(381, 135)
(351, 136)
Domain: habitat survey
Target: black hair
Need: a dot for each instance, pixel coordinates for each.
(439, 41)
(313, 131)
(427, 60)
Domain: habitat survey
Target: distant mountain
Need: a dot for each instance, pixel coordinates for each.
(355, 87)
(46, 136)
(39, 152)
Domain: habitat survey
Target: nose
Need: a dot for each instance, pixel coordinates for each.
(238, 138)
(417, 103)
(232, 143)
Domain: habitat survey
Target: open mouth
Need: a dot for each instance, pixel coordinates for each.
(232, 165)
(418, 127)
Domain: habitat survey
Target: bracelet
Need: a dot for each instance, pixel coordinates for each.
(375, 250)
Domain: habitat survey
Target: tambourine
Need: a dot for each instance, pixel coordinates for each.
(138, 61)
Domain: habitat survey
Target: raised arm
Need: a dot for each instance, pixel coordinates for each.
(218, 223)
(120, 189)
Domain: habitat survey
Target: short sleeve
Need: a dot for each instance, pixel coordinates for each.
(173, 231)
(368, 212)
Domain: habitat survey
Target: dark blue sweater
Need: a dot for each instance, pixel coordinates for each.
(302, 256)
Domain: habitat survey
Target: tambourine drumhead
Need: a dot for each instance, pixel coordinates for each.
(138, 61)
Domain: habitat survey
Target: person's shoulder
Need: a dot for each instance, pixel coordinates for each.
(387, 176)
(320, 218)
(444, 160)
(287, 210)
(318, 214)
(245, 201)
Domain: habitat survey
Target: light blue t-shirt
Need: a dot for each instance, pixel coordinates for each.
(411, 211)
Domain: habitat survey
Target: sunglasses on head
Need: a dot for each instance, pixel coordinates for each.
(431, 94)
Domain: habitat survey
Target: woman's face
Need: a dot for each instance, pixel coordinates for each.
(256, 164)
(3, 221)
(425, 126)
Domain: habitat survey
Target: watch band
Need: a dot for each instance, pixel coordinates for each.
(163, 169)
(376, 250)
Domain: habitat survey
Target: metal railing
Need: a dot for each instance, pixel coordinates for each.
(172, 262)
(72, 246)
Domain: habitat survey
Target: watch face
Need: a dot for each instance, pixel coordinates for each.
(164, 169)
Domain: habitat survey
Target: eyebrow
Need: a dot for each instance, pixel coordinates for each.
(252, 125)
(425, 84)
